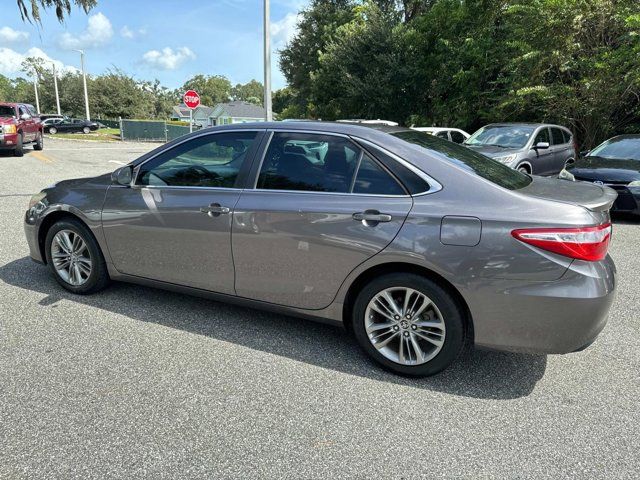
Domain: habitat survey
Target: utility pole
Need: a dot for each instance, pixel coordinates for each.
(84, 80)
(35, 87)
(268, 115)
(55, 84)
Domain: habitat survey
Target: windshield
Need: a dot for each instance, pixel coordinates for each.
(6, 111)
(506, 136)
(622, 148)
(471, 161)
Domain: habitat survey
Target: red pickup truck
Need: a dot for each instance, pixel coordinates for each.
(19, 125)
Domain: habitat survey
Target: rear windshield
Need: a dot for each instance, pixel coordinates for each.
(472, 161)
(6, 111)
(619, 148)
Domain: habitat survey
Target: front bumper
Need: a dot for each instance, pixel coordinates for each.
(8, 140)
(561, 316)
(628, 200)
(31, 232)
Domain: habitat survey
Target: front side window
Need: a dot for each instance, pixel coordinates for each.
(207, 161)
(557, 137)
(323, 163)
(542, 136)
(468, 159)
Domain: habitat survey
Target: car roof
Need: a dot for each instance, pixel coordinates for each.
(524, 124)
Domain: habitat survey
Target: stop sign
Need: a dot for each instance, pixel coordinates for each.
(191, 99)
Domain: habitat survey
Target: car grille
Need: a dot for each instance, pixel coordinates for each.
(625, 200)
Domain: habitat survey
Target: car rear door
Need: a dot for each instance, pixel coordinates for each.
(562, 150)
(312, 218)
(174, 223)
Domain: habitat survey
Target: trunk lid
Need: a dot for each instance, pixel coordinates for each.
(596, 198)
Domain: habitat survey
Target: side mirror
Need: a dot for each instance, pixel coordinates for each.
(123, 176)
(25, 116)
(541, 145)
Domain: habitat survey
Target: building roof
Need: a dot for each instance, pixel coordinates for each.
(239, 109)
(183, 111)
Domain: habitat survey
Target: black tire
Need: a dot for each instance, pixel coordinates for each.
(99, 276)
(452, 316)
(86, 130)
(523, 169)
(39, 144)
(19, 150)
(53, 130)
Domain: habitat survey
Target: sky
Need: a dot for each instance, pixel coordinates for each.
(170, 40)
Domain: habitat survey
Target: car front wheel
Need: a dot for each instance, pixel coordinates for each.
(74, 257)
(53, 130)
(408, 324)
(86, 130)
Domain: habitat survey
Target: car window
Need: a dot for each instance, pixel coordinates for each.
(567, 136)
(468, 159)
(456, 136)
(557, 137)
(443, 135)
(207, 161)
(542, 136)
(22, 110)
(506, 136)
(32, 110)
(619, 148)
(372, 179)
(308, 162)
(6, 111)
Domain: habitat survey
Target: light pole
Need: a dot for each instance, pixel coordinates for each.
(268, 115)
(35, 87)
(84, 80)
(55, 84)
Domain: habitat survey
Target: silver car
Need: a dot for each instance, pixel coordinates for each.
(415, 244)
(534, 148)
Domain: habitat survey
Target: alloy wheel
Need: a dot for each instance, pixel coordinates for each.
(405, 326)
(71, 257)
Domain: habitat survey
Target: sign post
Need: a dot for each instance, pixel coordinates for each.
(191, 99)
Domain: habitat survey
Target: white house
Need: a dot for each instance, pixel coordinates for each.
(236, 112)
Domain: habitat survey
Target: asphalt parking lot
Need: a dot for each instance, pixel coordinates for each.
(141, 383)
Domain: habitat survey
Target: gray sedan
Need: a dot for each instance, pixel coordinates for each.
(415, 244)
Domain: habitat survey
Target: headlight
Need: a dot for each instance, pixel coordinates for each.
(9, 129)
(566, 175)
(37, 204)
(505, 158)
(635, 183)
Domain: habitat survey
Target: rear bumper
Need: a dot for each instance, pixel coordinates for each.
(562, 316)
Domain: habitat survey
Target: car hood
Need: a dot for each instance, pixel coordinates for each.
(614, 170)
(89, 182)
(7, 121)
(590, 196)
(492, 151)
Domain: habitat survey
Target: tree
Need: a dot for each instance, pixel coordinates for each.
(252, 92)
(30, 9)
(212, 89)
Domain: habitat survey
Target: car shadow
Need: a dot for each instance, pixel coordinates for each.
(477, 374)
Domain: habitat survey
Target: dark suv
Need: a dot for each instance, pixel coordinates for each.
(19, 125)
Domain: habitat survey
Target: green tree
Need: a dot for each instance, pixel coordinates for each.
(212, 89)
(30, 9)
(252, 92)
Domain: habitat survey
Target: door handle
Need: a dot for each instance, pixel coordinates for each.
(371, 217)
(214, 210)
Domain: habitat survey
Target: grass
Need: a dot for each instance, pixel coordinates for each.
(102, 135)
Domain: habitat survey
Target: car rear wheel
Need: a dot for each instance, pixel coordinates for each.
(39, 145)
(74, 257)
(408, 324)
(19, 150)
(86, 130)
(53, 130)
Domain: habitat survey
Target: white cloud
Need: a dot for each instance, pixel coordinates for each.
(9, 35)
(283, 30)
(11, 61)
(167, 58)
(131, 33)
(98, 32)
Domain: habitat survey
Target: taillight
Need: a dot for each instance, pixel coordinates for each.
(583, 243)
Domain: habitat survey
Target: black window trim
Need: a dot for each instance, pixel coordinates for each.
(256, 172)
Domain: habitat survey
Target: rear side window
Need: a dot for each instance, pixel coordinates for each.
(471, 161)
(566, 135)
(323, 163)
(444, 135)
(557, 137)
(457, 137)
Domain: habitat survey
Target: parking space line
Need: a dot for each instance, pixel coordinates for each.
(41, 156)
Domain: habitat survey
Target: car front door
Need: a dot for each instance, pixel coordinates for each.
(28, 124)
(312, 218)
(561, 149)
(174, 223)
(542, 159)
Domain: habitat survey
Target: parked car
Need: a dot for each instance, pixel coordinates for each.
(535, 148)
(19, 126)
(616, 164)
(72, 125)
(454, 135)
(399, 236)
